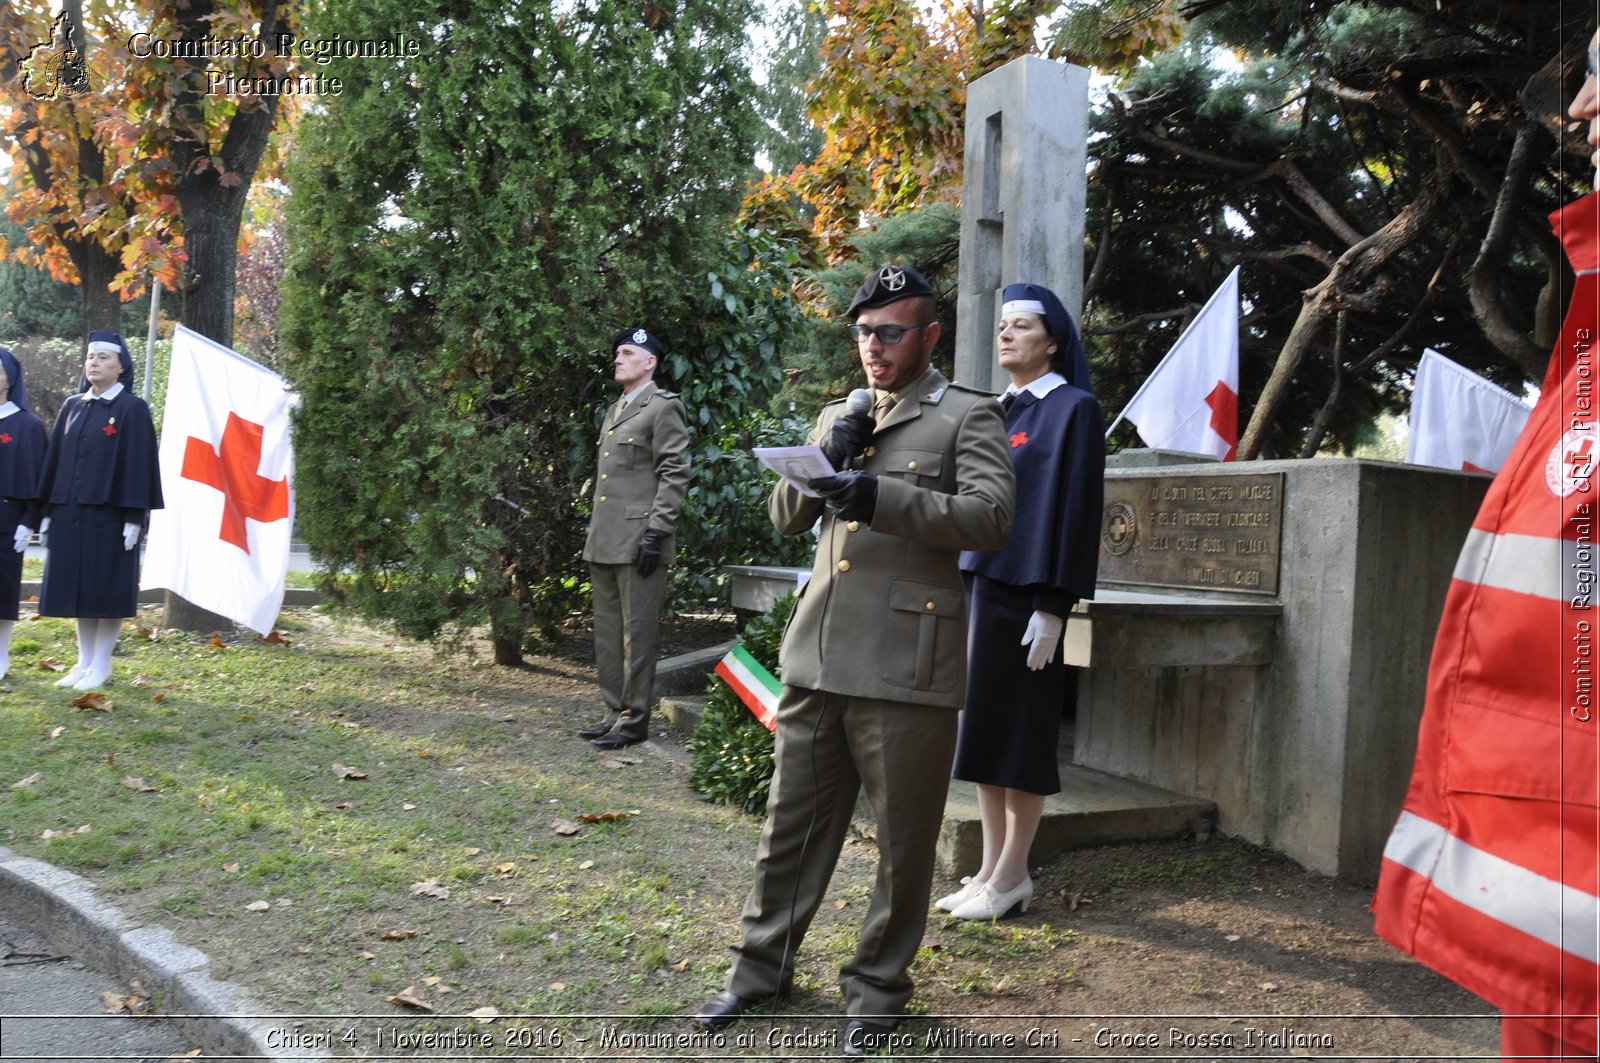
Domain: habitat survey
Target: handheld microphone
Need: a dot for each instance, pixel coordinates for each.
(852, 430)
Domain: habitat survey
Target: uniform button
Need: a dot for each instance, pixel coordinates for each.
(854, 525)
(602, 476)
(872, 452)
(630, 439)
(602, 498)
(611, 431)
(607, 454)
(844, 566)
(911, 465)
(930, 607)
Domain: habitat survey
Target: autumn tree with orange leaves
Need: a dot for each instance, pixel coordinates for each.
(128, 159)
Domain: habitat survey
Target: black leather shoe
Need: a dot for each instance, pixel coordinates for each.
(614, 741)
(863, 1038)
(594, 732)
(724, 1009)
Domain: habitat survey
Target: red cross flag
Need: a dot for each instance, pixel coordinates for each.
(222, 542)
(1191, 401)
(1459, 420)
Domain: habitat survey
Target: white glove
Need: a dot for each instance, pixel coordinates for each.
(44, 530)
(20, 540)
(1042, 638)
(130, 535)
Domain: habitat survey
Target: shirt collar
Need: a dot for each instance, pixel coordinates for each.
(629, 396)
(1040, 387)
(110, 393)
(8, 409)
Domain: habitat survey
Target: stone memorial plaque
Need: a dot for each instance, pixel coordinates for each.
(1215, 533)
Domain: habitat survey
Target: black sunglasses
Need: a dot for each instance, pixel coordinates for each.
(888, 334)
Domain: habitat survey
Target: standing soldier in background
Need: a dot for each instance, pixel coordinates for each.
(641, 478)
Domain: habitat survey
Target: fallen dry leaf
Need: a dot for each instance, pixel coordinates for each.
(92, 700)
(484, 1015)
(497, 901)
(191, 1054)
(505, 870)
(365, 955)
(408, 807)
(398, 935)
(52, 665)
(230, 869)
(134, 1002)
(564, 827)
(344, 772)
(273, 638)
(283, 902)
(619, 762)
(158, 698)
(680, 966)
(257, 906)
(1073, 899)
(69, 832)
(433, 981)
(217, 642)
(604, 817)
(558, 986)
(308, 688)
(28, 780)
(474, 852)
(430, 888)
(133, 782)
(57, 732)
(586, 865)
(344, 804)
(411, 997)
(1269, 987)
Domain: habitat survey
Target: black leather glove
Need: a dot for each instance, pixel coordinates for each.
(848, 438)
(647, 555)
(853, 494)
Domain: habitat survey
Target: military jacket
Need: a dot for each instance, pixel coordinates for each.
(641, 476)
(884, 612)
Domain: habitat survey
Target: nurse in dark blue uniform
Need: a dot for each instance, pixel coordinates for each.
(1021, 595)
(100, 482)
(22, 444)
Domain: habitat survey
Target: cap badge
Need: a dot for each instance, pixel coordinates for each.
(640, 335)
(891, 278)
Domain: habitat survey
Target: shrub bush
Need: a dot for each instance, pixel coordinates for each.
(730, 752)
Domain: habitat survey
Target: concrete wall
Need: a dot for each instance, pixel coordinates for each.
(1308, 746)
(1023, 199)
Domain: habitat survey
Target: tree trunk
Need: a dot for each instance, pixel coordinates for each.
(97, 268)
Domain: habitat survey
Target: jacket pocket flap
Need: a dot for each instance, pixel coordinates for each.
(1495, 752)
(917, 596)
(913, 461)
(635, 512)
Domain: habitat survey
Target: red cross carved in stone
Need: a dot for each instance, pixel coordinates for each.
(231, 469)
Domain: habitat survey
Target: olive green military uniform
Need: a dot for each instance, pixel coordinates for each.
(641, 479)
(874, 672)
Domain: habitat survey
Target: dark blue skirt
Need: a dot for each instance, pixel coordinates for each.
(87, 573)
(1012, 719)
(10, 561)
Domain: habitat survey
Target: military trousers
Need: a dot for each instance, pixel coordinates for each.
(830, 748)
(627, 629)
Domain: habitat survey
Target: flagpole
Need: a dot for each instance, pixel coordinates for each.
(1171, 351)
(150, 336)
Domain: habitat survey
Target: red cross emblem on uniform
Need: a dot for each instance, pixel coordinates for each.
(1017, 439)
(231, 469)
(5, 437)
(110, 430)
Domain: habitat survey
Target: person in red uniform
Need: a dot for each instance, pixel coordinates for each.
(1490, 876)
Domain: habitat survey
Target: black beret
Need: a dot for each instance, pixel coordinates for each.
(639, 337)
(889, 285)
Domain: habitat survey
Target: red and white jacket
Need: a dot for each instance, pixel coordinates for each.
(1490, 876)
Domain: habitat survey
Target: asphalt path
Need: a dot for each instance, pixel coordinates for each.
(51, 1008)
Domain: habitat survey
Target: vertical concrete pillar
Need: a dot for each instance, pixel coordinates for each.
(1022, 201)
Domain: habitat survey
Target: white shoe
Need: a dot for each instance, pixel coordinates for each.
(72, 677)
(92, 680)
(970, 888)
(992, 904)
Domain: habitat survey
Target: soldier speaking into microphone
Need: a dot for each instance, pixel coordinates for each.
(874, 659)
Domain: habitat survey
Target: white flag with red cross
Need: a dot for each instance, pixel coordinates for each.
(227, 464)
(1459, 420)
(1191, 401)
